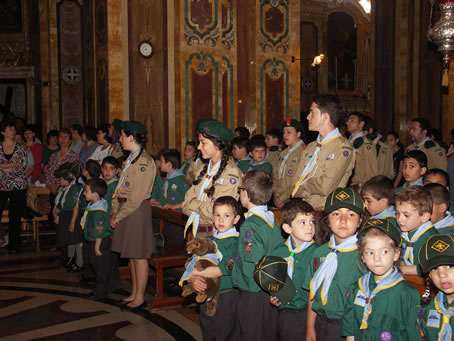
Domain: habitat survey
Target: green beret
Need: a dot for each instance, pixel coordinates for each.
(386, 226)
(63, 171)
(134, 126)
(271, 275)
(214, 128)
(292, 123)
(437, 250)
(75, 168)
(117, 124)
(344, 197)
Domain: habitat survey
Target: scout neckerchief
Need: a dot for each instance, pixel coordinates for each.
(108, 182)
(60, 192)
(420, 146)
(408, 255)
(283, 162)
(100, 205)
(294, 251)
(391, 280)
(129, 161)
(211, 257)
(231, 233)
(66, 193)
(447, 221)
(313, 159)
(390, 211)
(185, 162)
(176, 173)
(202, 196)
(418, 182)
(324, 275)
(353, 138)
(262, 212)
(445, 333)
(246, 158)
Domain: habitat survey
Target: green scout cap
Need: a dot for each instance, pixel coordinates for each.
(134, 126)
(214, 128)
(62, 171)
(386, 226)
(437, 250)
(116, 123)
(292, 123)
(75, 168)
(271, 275)
(344, 197)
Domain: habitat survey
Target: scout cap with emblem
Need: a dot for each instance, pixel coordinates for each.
(292, 123)
(214, 128)
(134, 126)
(386, 226)
(271, 275)
(437, 250)
(344, 197)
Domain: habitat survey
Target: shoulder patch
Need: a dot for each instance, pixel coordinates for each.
(429, 144)
(358, 143)
(383, 139)
(347, 147)
(372, 136)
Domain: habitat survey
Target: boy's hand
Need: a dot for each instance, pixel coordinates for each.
(71, 227)
(56, 219)
(154, 202)
(198, 283)
(169, 206)
(114, 222)
(310, 335)
(97, 252)
(275, 301)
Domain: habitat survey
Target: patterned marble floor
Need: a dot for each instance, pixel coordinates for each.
(39, 301)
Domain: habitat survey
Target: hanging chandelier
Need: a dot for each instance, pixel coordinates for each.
(442, 33)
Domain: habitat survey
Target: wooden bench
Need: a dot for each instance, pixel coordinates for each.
(171, 255)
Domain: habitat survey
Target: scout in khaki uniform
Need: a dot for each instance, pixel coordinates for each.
(381, 303)
(437, 263)
(117, 149)
(285, 173)
(259, 236)
(273, 139)
(131, 211)
(194, 168)
(384, 154)
(366, 164)
(218, 177)
(326, 163)
(436, 155)
(333, 268)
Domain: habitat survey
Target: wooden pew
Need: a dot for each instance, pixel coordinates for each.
(171, 255)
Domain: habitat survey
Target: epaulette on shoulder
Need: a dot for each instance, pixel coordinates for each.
(429, 144)
(274, 148)
(443, 144)
(372, 136)
(383, 139)
(358, 143)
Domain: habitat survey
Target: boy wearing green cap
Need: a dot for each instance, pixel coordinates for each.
(380, 302)
(297, 220)
(333, 268)
(289, 159)
(413, 211)
(259, 236)
(437, 263)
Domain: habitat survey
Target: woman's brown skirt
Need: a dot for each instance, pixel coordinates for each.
(133, 238)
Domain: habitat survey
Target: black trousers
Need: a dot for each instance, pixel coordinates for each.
(102, 266)
(17, 202)
(224, 324)
(292, 324)
(258, 319)
(328, 329)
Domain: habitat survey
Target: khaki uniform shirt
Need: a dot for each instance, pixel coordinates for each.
(366, 164)
(136, 185)
(333, 169)
(384, 155)
(116, 150)
(273, 155)
(436, 155)
(283, 187)
(194, 168)
(226, 184)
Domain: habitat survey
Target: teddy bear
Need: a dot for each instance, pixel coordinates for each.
(203, 256)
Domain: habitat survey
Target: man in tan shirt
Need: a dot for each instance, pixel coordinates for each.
(326, 163)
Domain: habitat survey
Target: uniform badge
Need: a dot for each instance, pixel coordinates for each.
(433, 319)
(127, 184)
(290, 172)
(248, 246)
(99, 230)
(360, 299)
(229, 265)
(172, 198)
(233, 181)
(386, 336)
(248, 234)
(295, 159)
(142, 169)
(347, 294)
(330, 156)
(369, 147)
(346, 153)
(220, 181)
(174, 187)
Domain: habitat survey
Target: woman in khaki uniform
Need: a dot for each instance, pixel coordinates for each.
(131, 211)
(219, 177)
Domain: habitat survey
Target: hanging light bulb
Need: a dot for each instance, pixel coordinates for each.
(442, 34)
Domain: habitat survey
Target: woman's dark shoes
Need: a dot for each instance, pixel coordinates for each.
(127, 308)
(121, 303)
(69, 264)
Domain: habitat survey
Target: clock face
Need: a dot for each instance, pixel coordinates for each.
(145, 49)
